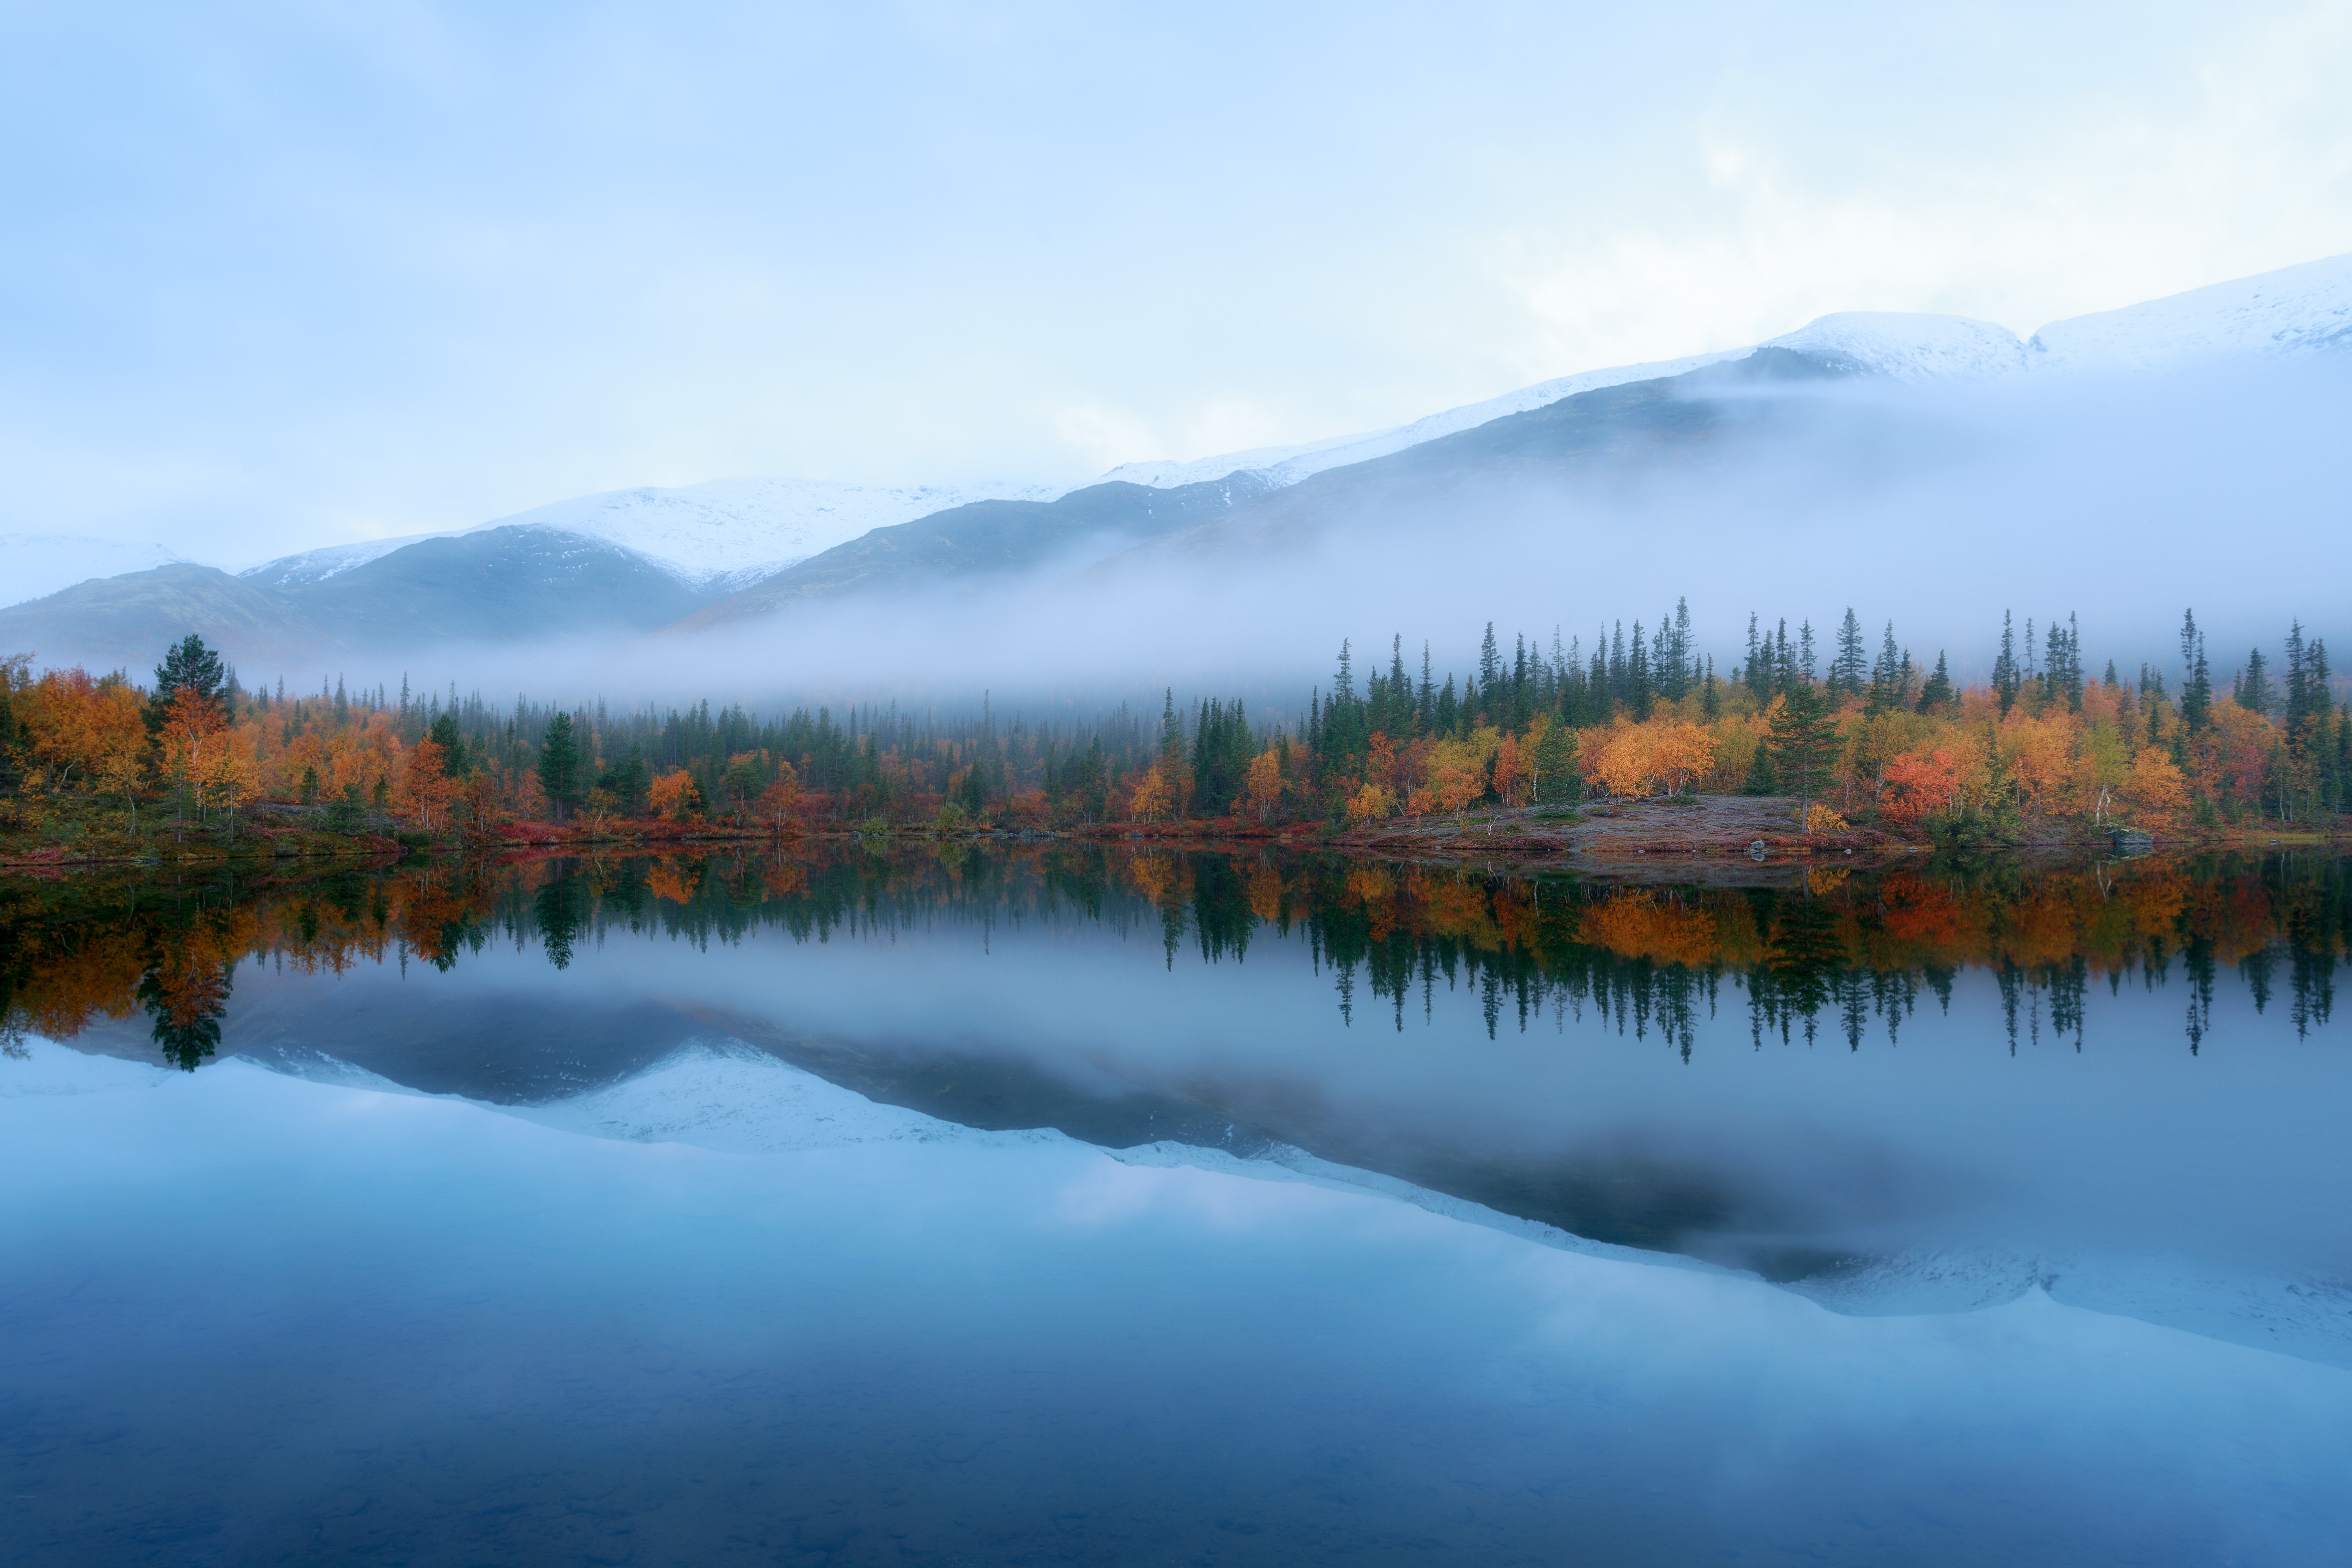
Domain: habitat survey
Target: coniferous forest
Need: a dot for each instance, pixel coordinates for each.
(1856, 730)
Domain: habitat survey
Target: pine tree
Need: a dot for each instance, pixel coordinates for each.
(188, 663)
(2253, 689)
(1556, 781)
(559, 764)
(1847, 669)
(2197, 677)
(1804, 742)
(445, 735)
(1490, 661)
(1938, 693)
(2006, 681)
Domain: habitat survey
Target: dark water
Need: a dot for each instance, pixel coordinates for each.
(2093, 1111)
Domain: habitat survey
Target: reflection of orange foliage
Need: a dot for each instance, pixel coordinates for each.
(664, 881)
(1157, 876)
(66, 990)
(1918, 912)
(784, 878)
(1641, 924)
(1264, 885)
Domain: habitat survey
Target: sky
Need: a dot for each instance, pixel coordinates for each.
(284, 274)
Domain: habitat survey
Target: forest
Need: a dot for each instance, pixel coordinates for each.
(1852, 733)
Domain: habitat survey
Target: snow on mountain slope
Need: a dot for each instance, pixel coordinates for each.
(1288, 465)
(1909, 347)
(728, 533)
(39, 565)
(2296, 308)
(318, 565)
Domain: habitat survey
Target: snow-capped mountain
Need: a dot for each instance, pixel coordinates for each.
(2294, 309)
(1906, 347)
(1288, 465)
(716, 537)
(728, 533)
(40, 564)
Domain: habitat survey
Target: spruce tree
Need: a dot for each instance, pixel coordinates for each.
(445, 735)
(1847, 669)
(1805, 744)
(1938, 693)
(2006, 680)
(187, 663)
(2253, 689)
(559, 764)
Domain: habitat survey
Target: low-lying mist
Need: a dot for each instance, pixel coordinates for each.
(1938, 508)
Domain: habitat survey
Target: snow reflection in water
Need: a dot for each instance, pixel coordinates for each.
(880, 1312)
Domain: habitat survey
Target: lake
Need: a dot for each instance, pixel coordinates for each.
(1062, 1204)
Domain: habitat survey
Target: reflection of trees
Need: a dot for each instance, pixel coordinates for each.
(185, 987)
(1862, 948)
(562, 909)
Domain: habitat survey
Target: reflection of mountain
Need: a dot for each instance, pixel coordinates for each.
(1855, 961)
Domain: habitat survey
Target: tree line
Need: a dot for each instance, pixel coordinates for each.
(1853, 733)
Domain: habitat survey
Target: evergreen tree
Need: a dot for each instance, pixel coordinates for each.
(1847, 669)
(1938, 694)
(559, 764)
(1555, 780)
(445, 735)
(1762, 777)
(2006, 679)
(1637, 694)
(1886, 675)
(1490, 662)
(626, 782)
(2197, 679)
(1804, 742)
(2253, 689)
(187, 663)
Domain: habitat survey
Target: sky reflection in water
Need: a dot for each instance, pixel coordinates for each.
(2119, 1083)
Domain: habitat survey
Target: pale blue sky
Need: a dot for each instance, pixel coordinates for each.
(279, 275)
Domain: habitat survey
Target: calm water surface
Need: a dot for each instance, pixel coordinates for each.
(2094, 1112)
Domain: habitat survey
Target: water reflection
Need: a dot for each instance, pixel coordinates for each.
(1852, 956)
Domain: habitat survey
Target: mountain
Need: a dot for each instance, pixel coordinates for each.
(717, 537)
(508, 584)
(983, 539)
(511, 584)
(41, 563)
(1607, 435)
(629, 561)
(2294, 310)
(126, 621)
